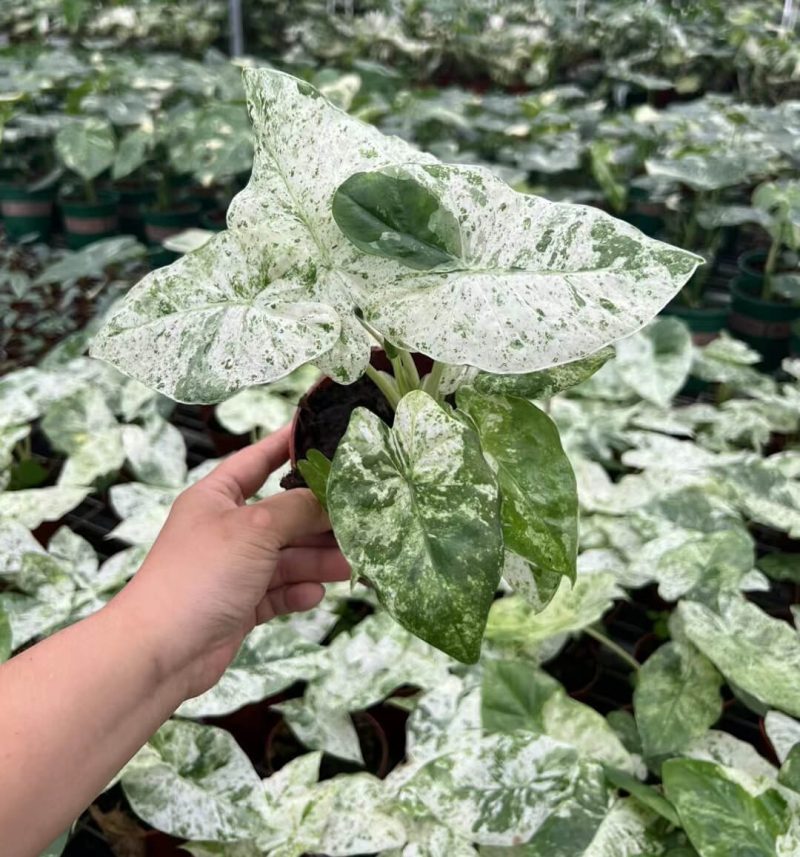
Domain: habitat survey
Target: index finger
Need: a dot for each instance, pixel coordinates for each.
(243, 473)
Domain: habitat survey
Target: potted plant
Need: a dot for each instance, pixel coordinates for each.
(345, 240)
(26, 206)
(766, 294)
(696, 224)
(135, 189)
(87, 148)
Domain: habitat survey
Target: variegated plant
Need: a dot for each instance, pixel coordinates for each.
(345, 239)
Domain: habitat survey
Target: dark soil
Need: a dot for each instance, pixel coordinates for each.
(323, 416)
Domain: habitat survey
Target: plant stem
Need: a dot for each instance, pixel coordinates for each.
(88, 189)
(386, 385)
(431, 383)
(771, 264)
(613, 647)
(409, 370)
(372, 332)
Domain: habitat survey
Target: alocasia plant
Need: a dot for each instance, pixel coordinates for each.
(345, 239)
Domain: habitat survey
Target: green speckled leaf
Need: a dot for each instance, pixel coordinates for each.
(32, 506)
(536, 586)
(224, 317)
(357, 670)
(195, 782)
(156, 452)
(783, 732)
(677, 698)
(646, 795)
(515, 626)
(759, 654)
(499, 789)
(271, 658)
(389, 214)
(721, 816)
(15, 541)
(415, 510)
(539, 500)
(546, 382)
(725, 749)
(544, 283)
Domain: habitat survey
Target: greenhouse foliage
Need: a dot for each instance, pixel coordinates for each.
(621, 492)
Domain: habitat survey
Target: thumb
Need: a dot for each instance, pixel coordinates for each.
(289, 517)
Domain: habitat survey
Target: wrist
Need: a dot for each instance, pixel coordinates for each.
(143, 629)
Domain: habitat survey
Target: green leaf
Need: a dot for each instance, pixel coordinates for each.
(646, 795)
(516, 695)
(415, 510)
(195, 782)
(93, 260)
(721, 817)
(515, 626)
(757, 653)
(677, 698)
(781, 566)
(86, 146)
(499, 789)
(789, 775)
(539, 500)
(390, 214)
(546, 382)
(536, 586)
(512, 696)
(315, 468)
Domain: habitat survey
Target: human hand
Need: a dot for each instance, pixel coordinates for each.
(219, 566)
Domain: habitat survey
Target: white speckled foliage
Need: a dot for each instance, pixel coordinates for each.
(415, 509)
(543, 283)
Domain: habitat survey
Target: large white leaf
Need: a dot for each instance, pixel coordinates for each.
(195, 782)
(757, 653)
(543, 283)
(272, 657)
(360, 669)
(783, 732)
(15, 541)
(31, 506)
(156, 452)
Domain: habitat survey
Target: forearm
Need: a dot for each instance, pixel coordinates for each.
(73, 710)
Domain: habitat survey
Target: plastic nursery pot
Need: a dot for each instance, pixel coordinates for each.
(132, 199)
(705, 323)
(323, 414)
(25, 212)
(764, 325)
(645, 215)
(85, 222)
(794, 340)
(160, 225)
(281, 747)
(206, 197)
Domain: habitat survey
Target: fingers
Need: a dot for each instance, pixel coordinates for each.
(307, 564)
(293, 598)
(288, 518)
(244, 472)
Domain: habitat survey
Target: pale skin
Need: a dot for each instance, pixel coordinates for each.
(77, 706)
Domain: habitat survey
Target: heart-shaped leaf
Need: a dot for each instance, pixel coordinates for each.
(415, 509)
